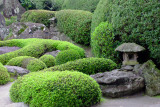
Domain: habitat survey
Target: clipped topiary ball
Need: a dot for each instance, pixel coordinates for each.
(56, 89)
(36, 65)
(67, 55)
(4, 75)
(49, 60)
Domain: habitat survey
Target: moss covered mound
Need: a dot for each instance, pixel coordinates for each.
(75, 24)
(133, 21)
(36, 48)
(86, 65)
(4, 75)
(49, 60)
(67, 55)
(30, 63)
(58, 89)
(38, 16)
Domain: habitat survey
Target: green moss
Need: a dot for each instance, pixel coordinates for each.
(13, 19)
(49, 60)
(67, 55)
(86, 65)
(75, 24)
(4, 75)
(58, 89)
(36, 48)
(38, 16)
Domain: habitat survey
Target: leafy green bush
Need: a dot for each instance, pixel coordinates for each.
(28, 4)
(49, 60)
(75, 24)
(88, 5)
(57, 4)
(58, 89)
(30, 63)
(133, 21)
(102, 41)
(4, 75)
(38, 16)
(86, 65)
(36, 48)
(67, 55)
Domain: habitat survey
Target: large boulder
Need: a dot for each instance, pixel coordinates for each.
(23, 30)
(151, 75)
(12, 8)
(6, 49)
(3, 29)
(119, 83)
(17, 71)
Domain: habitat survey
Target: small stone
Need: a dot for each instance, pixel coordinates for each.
(127, 68)
(53, 53)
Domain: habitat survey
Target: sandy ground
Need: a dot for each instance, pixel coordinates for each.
(138, 100)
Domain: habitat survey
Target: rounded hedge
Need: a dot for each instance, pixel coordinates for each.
(30, 63)
(4, 75)
(75, 24)
(102, 41)
(49, 60)
(35, 47)
(67, 55)
(58, 89)
(86, 65)
(38, 16)
(133, 21)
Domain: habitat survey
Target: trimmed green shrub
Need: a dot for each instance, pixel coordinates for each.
(4, 75)
(30, 63)
(49, 60)
(102, 42)
(88, 5)
(58, 89)
(38, 16)
(75, 24)
(133, 21)
(86, 65)
(66, 56)
(36, 48)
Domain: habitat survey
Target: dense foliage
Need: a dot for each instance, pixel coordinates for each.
(132, 21)
(102, 41)
(67, 55)
(36, 48)
(49, 60)
(86, 65)
(58, 89)
(28, 4)
(4, 75)
(30, 63)
(88, 5)
(38, 16)
(75, 24)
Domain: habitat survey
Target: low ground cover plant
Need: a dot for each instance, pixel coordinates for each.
(58, 89)
(86, 65)
(4, 75)
(36, 48)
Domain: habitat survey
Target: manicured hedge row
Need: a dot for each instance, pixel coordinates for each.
(75, 24)
(88, 5)
(30, 63)
(4, 75)
(133, 21)
(86, 65)
(36, 48)
(38, 16)
(49, 60)
(56, 89)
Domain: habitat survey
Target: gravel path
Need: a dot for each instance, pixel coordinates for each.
(138, 100)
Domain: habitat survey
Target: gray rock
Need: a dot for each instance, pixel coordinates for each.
(127, 68)
(53, 53)
(12, 8)
(6, 49)
(119, 83)
(23, 30)
(55, 38)
(152, 77)
(18, 71)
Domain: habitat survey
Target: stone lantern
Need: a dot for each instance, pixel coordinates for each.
(130, 51)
